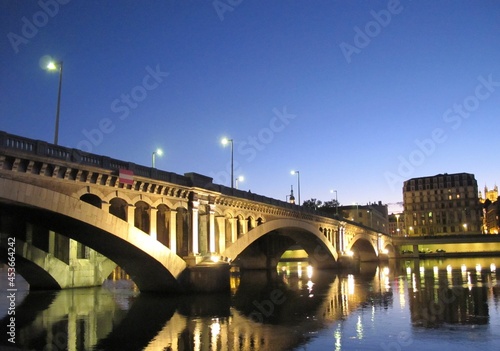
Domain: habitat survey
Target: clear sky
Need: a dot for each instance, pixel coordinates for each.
(358, 96)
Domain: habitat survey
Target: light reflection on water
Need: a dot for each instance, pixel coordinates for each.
(400, 305)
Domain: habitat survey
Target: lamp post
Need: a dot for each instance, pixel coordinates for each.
(158, 152)
(397, 224)
(239, 179)
(52, 66)
(298, 182)
(225, 141)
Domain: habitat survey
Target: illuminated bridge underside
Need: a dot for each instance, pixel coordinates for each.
(151, 265)
(44, 271)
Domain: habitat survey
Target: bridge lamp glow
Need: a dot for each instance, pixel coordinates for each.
(239, 179)
(350, 253)
(298, 182)
(215, 258)
(57, 66)
(158, 152)
(224, 142)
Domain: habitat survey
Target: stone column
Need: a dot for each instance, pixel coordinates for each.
(29, 233)
(221, 223)
(233, 222)
(52, 242)
(105, 206)
(194, 229)
(172, 231)
(153, 220)
(131, 214)
(244, 226)
(211, 228)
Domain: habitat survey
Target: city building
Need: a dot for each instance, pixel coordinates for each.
(491, 195)
(490, 206)
(444, 204)
(397, 224)
(372, 215)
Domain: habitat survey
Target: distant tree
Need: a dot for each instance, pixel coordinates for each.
(313, 204)
(330, 204)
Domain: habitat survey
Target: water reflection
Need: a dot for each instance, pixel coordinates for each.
(265, 310)
(450, 291)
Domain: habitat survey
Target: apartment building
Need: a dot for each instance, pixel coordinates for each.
(444, 204)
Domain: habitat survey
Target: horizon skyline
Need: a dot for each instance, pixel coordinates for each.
(356, 96)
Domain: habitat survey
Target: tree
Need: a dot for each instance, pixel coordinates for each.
(330, 204)
(313, 204)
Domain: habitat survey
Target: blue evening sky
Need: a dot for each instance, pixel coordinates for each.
(356, 95)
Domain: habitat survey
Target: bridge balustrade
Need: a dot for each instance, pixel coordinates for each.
(187, 213)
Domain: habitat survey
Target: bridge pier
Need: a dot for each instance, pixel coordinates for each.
(206, 277)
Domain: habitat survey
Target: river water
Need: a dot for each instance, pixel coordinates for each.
(448, 304)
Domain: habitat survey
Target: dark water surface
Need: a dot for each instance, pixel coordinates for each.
(449, 304)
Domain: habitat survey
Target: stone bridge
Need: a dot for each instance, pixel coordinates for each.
(74, 216)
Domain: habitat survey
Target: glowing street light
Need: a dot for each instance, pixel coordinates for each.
(298, 182)
(397, 223)
(225, 141)
(158, 152)
(239, 179)
(53, 66)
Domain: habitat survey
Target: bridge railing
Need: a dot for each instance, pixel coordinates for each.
(40, 148)
(44, 149)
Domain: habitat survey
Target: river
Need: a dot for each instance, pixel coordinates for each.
(448, 304)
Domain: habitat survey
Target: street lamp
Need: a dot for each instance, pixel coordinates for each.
(239, 179)
(298, 182)
(52, 66)
(397, 224)
(158, 152)
(225, 141)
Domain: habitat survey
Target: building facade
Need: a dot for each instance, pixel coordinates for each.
(397, 224)
(490, 207)
(444, 204)
(371, 215)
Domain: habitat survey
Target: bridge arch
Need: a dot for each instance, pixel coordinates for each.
(90, 190)
(92, 199)
(144, 199)
(117, 194)
(364, 246)
(152, 266)
(322, 253)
